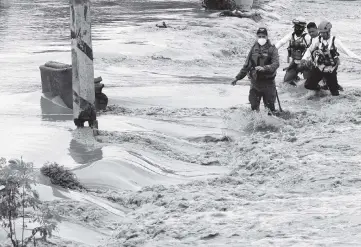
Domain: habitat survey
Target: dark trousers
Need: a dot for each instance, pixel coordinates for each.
(269, 97)
(293, 70)
(317, 75)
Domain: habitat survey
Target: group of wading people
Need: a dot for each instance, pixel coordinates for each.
(314, 53)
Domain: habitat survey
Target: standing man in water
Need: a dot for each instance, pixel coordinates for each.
(324, 53)
(312, 30)
(261, 65)
(298, 40)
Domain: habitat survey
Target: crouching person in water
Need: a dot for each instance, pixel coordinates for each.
(261, 65)
(324, 52)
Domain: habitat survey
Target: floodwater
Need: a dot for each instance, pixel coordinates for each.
(188, 65)
(171, 106)
(35, 32)
(32, 33)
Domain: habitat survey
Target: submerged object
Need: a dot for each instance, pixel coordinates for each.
(244, 5)
(162, 26)
(257, 3)
(101, 100)
(56, 80)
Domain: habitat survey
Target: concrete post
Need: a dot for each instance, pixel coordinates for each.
(82, 64)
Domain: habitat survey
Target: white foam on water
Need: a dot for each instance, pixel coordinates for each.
(163, 141)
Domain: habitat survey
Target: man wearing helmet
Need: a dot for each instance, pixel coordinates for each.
(324, 53)
(299, 41)
(261, 65)
(312, 30)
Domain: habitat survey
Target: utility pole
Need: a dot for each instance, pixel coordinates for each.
(82, 64)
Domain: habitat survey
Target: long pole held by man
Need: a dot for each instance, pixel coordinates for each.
(82, 64)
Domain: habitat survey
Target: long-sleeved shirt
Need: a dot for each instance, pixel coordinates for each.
(271, 59)
(288, 37)
(338, 44)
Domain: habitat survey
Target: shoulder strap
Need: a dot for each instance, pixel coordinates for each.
(302, 36)
(293, 36)
(304, 39)
(333, 42)
(320, 45)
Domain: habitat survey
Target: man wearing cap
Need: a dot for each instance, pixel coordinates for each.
(324, 52)
(261, 65)
(298, 40)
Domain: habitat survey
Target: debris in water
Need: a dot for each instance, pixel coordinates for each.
(162, 26)
(210, 236)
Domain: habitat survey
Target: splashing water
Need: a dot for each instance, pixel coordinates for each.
(247, 122)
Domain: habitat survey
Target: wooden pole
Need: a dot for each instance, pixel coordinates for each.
(82, 64)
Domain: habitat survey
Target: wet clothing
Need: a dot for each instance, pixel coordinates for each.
(325, 56)
(267, 93)
(330, 79)
(262, 82)
(297, 45)
(338, 44)
(294, 69)
(311, 65)
(296, 49)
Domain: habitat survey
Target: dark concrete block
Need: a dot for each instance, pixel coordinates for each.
(101, 101)
(56, 79)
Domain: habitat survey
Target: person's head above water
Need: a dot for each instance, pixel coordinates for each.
(325, 29)
(299, 25)
(262, 35)
(312, 29)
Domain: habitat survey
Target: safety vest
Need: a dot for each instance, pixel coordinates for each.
(297, 47)
(326, 54)
(261, 57)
